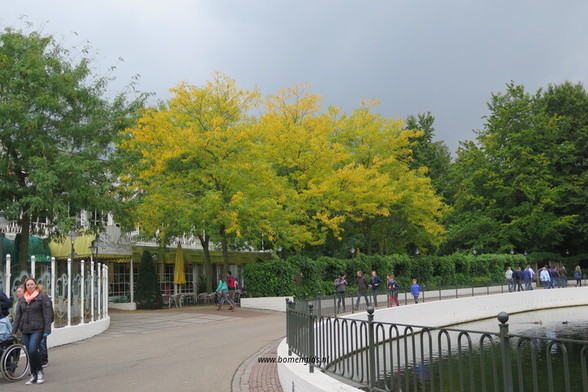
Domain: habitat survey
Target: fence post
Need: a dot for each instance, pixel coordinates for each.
(506, 355)
(69, 261)
(288, 326)
(320, 306)
(371, 349)
(310, 338)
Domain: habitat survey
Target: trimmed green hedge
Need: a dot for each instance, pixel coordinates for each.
(304, 277)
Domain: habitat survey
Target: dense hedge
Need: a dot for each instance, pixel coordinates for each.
(305, 277)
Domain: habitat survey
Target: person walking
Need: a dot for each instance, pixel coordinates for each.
(232, 285)
(415, 290)
(340, 287)
(375, 283)
(34, 313)
(393, 289)
(222, 289)
(517, 278)
(508, 277)
(563, 276)
(362, 288)
(578, 276)
(43, 345)
(528, 278)
(545, 278)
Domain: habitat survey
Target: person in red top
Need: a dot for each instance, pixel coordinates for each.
(232, 284)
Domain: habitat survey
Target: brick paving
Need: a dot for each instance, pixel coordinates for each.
(253, 376)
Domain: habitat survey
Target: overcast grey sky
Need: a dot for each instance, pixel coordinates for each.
(442, 56)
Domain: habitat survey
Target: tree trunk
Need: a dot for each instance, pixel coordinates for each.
(205, 241)
(23, 245)
(225, 248)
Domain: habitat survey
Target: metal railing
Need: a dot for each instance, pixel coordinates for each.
(79, 289)
(400, 357)
(333, 304)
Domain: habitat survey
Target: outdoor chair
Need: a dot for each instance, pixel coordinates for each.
(202, 297)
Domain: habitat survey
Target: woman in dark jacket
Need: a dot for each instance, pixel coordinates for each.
(34, 314)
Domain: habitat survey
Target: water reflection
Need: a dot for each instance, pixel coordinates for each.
(456, 361)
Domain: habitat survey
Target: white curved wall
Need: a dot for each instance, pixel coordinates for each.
(75, 333)
(295, 377)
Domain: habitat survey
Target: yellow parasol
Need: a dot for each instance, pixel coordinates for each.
(179, 275)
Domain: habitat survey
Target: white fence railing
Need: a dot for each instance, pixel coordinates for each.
(79, 290)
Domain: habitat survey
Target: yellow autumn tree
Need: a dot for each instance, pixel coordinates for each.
(196, 169)
(347, 173)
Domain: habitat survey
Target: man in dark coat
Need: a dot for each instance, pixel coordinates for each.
(362, 288)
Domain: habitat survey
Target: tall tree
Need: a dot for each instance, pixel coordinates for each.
(427, 153)
(196, 169)
(347, 172)
(521, 187)
(57, 125)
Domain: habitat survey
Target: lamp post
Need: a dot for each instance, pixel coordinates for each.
(93, 253)
(73, 235)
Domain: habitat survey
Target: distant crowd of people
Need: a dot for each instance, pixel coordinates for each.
(517, 280)
(372, 286)
(550, 277)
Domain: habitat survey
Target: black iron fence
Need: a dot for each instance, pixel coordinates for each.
(335, 304)
(379, 356)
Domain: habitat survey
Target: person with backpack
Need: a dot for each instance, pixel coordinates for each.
(340, 287)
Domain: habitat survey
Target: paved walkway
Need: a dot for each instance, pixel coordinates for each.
(186, 349)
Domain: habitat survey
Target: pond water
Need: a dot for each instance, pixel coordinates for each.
(446, 363)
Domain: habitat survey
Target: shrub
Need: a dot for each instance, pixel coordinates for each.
(148, 295)
(271, 278)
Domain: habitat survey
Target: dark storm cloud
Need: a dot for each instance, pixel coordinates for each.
(446, 57)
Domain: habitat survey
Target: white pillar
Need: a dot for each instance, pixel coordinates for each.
(105, 290)
(7, 273)
(82, 266)
(93, 287)
(33, 266)
(68, 292)
(99, 315)
(132, 280)
(53, 273)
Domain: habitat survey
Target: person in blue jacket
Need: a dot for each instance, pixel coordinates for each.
(415, 290)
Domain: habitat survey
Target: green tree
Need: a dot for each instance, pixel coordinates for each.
(523, 185)
(148, 295)
(434, 155)
(57, 125)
